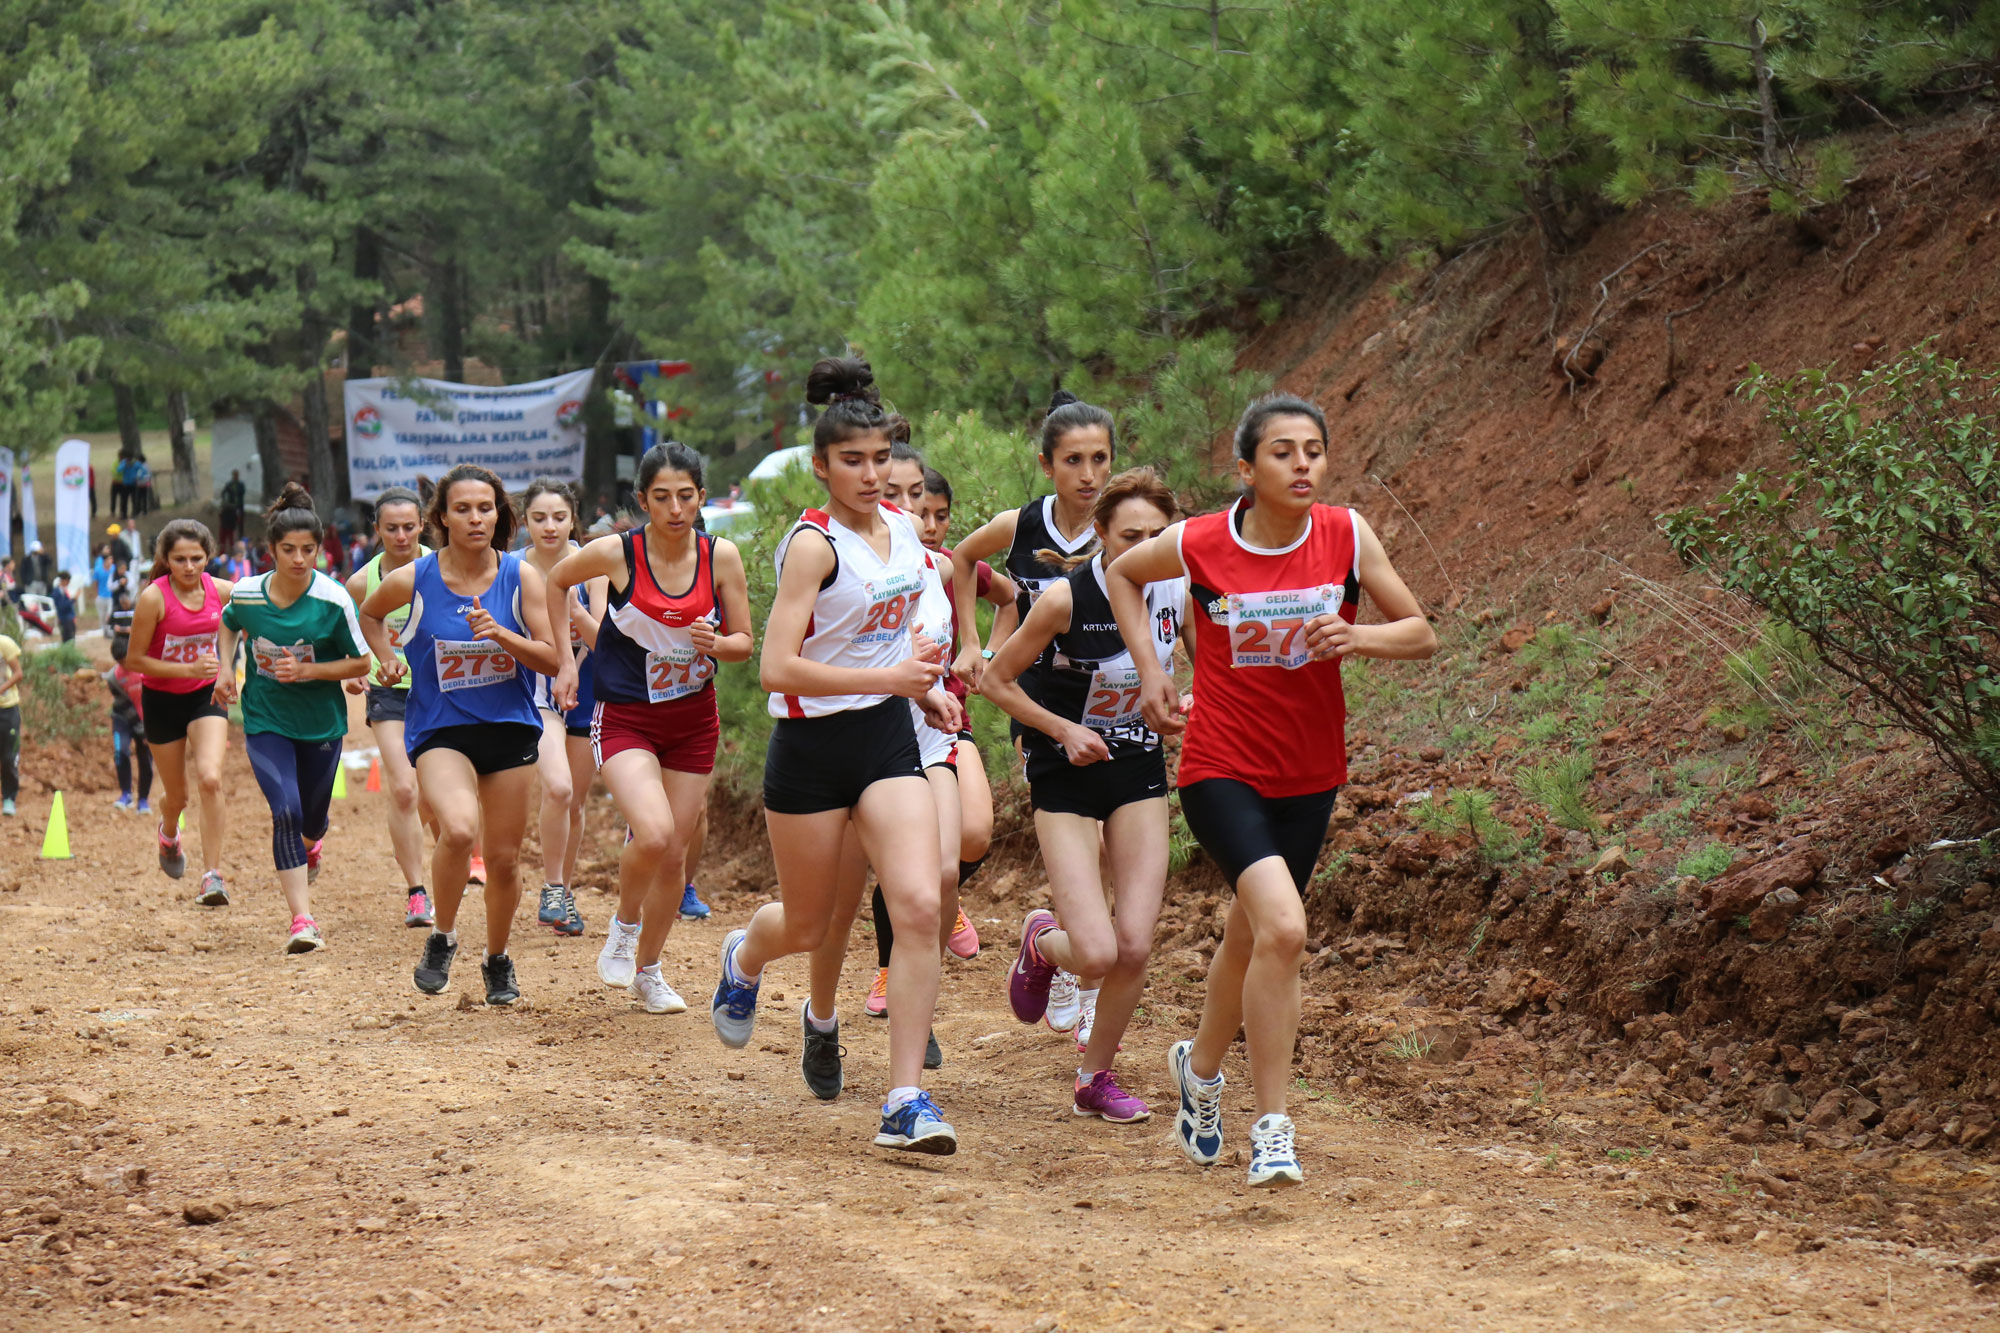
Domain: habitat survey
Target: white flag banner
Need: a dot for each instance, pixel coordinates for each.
(31, 531)
(6, 503)
(402, 431)
(73, 512)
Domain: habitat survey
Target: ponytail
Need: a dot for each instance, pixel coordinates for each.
(291, 512)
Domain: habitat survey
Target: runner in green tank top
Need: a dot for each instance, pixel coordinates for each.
(399, 529)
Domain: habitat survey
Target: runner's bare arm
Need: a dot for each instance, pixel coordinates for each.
(391, 593)
(1404, 633)
(1047, 618)
(1151, 561)
(537, 649)
(732, 590)
(224, 691)
(784, 668)
(589, 616)
(991, 537)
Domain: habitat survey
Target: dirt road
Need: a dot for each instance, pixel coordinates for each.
(390, 1160)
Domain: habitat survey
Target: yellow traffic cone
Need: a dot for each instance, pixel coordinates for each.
(55, 843)
(339, 781)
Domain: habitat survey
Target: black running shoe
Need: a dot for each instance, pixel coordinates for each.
(933, 1057)
(500, 985)
(434, 972)
(821, 1061)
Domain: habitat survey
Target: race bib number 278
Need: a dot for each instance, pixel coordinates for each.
(1269, 628)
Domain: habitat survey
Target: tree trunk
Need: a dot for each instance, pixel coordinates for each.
(602, 439)
(186, 487)
(322, 479)
(268, 462)
(363, 348)
(450, 279)
(127, 408)
(1767, 103)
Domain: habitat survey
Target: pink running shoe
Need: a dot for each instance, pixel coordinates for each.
(964, 939)
(1028, 981)
(1102, 1097)
(476, 874)
(313, 854)
(877, 1004)
(305, 936)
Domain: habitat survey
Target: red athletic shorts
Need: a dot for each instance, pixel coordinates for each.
(682, 734)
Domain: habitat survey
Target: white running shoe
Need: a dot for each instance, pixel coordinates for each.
(1274, 1160)
(1063, 1003)
(618, 960)
(1198, 1121)
(651, 989)
(1086, 1017)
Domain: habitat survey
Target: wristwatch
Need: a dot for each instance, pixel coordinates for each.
(986, 653)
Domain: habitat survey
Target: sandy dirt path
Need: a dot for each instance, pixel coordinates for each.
(392, 1160)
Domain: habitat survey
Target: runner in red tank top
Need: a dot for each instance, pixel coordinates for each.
(1273, 586)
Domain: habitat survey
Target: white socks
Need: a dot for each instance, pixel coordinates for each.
(900, 1097)
(822, 1024)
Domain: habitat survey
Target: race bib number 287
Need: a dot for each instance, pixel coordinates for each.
(1269, 628)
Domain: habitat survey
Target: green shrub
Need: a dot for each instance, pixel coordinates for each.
(1875, 542)
(46, 711)
(1707, 863)
(1561, 786)
(1469, 812)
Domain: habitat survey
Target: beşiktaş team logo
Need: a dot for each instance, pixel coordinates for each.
(1163, 624)
(72, 477)
(368, 421)
(570, 413)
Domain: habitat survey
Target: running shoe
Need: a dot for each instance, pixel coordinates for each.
(501, 988)
(933, 1054)
(1198, 1123)
(434, 969)
(964, 939)
(124, 802)
(877, 1004)
(1102, 1097)
(692, 907)
(172, 859)
(7, 808)
(572, 924)
(145, 806)
(917, 1126)
(418, 911)
(1273, 1158)
(305, 936)
(476, 872)
(1028, 983)
(733, 1009)
(214, 891)
(550, 910)
(821, 1061)
(618, 960)
(313, 853)
(1063, 1002)
(650, 988)
(1086, 1020)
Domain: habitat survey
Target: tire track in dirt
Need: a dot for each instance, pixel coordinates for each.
(390, 1159)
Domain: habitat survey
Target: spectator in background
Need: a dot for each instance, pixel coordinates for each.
(240, 564)
(142, 477)
(100, 580)
(93, 490)
(35, 569)
(233, 495)
(121, 487)
(10, 723)
(128, 734)
(65, 607)
(121, 550)
(119, 626)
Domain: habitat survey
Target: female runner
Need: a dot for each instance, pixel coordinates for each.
(1274, 580)
(304, 641)
(174, 629)
(1078, 442)
(1092, 759)
(838, 651)
(679, 604)
(477, 619)
(399, 528)
(565, 765)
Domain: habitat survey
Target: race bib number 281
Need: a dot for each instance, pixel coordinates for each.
(1269, 628)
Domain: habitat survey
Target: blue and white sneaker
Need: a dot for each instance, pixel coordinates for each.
(917, 1126)
(551, 910)
(734, 1008)
(692, 907)
(1273, 1158)
(1198, 1123)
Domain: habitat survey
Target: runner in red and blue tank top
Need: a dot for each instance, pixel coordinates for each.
(1273, 587)
(679, 604)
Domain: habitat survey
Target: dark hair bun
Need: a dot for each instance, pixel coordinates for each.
(293, 496)
(838, 378)
(1062, 398)
(899, 429)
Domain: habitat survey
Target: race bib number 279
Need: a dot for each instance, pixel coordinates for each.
(1268, 629)
(467, 664)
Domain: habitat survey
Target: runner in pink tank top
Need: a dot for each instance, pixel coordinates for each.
(183, 635)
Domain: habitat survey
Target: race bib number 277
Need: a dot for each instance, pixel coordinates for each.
(1269, 628)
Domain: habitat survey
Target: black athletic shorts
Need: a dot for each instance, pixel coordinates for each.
(1239, 828)
(492, 747)
(386, 704)
(825, 763)
(168, 713)
(1095, 790)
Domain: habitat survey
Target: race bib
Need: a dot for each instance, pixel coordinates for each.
(676, 673)
(266, 655)
(887, 613)
(186, 647)
(1269, 628)
(1113, 702)
(468, 664)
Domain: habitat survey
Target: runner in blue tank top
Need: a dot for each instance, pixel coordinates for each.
(477, 625)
